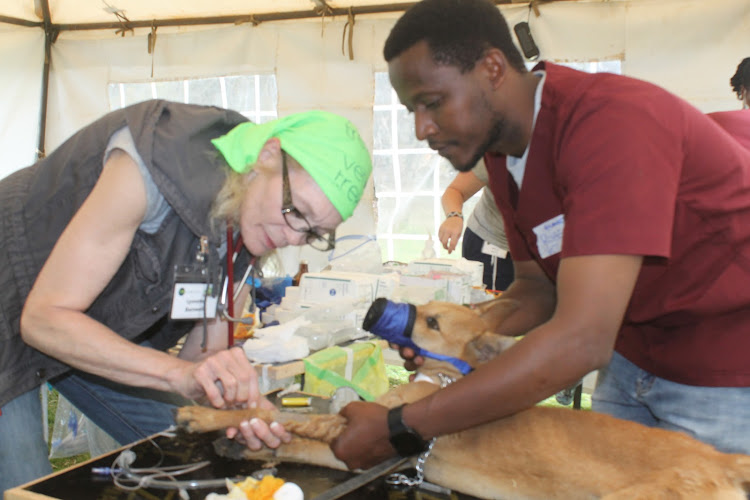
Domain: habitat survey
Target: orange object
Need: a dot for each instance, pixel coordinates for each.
(263, 489)
(243, 330)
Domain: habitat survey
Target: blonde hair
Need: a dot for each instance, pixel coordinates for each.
(228, 201)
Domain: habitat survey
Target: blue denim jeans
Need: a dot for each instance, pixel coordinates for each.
(719, 416)
(23, 451)
(127, 414)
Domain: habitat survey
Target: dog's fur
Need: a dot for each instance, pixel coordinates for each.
(541, 453)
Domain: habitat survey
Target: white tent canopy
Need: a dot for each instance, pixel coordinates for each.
(691, 47)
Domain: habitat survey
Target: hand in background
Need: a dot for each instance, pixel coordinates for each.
(450, 232)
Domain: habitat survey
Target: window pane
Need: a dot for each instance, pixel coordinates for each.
(386, 208)
(205, 91)
(240, 92)
(417, 171)
(414, 215)
(408, 250)
(382, 130)
(268, 93)
(383, 89)
(136, 92)
(171, 91)
(406, 132)
(446, 173)
(382, 173)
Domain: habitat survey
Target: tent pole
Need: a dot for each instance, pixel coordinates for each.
(50, 35)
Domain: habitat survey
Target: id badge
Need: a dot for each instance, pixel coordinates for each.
(549, 236)
(494, 250)
(195, 296)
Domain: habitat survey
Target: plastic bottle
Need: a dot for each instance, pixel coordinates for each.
(302, 270)
(428, 252)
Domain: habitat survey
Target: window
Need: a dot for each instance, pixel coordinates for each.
(410, 178)
(252, 95)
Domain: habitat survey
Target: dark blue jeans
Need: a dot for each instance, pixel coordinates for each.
(126, 413)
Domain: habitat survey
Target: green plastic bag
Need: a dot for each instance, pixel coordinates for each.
(359, 366)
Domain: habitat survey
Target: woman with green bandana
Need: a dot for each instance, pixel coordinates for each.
(102, 238)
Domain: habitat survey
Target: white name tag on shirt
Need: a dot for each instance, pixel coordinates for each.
(490, 249)
(549, 236)
(193, 301)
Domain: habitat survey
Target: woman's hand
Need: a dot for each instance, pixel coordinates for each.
(256, 433)
(450, 232)
(228, 380)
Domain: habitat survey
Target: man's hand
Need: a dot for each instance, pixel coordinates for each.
(364, 442)
(411, 362)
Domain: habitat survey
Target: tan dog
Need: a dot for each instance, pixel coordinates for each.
(541, 453)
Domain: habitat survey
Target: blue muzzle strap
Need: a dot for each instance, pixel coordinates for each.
(395, 325)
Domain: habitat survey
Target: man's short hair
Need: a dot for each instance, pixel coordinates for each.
(741, 78)
(458, 32)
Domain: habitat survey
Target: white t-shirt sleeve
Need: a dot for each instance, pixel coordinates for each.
(157, 207)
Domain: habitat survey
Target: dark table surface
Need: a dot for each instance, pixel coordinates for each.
(81, 483)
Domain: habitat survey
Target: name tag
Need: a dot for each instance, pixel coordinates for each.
(549, 236)
(193, 301)
(194, 296)
(490, 249)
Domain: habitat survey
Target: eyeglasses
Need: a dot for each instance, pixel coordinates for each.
(295, 220)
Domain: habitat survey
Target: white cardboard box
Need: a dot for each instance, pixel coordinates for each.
(472, 268)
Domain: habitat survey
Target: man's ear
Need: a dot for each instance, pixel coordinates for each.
(496, 66)
(270, 151)
(485, 347)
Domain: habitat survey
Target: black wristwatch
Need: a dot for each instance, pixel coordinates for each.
(403, 438)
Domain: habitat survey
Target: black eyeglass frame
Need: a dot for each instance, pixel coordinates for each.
(312, 238)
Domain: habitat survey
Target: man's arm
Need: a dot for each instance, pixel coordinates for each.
(593, 293)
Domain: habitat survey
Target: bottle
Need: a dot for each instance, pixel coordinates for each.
(428, 252)
(302, 270)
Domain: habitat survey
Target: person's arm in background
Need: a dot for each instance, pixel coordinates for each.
(463, 187)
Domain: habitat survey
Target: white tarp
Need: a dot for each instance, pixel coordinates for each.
(691, 47)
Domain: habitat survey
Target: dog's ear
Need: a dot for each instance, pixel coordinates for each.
(495, 311)
(485, 347)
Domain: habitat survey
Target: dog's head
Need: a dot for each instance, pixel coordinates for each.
(462, 332)
(444, 329)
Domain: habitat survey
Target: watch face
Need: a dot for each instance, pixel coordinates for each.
(407, 443)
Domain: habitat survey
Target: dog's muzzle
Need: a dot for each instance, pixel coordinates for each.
(394, 322)
(391, 321)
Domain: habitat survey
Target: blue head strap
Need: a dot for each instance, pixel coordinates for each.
(395, 324)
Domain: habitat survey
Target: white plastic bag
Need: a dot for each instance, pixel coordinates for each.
(74, 434)
(357, 253)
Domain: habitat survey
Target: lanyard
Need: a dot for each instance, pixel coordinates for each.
(233, 250)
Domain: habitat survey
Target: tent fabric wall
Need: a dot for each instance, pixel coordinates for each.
(691, 47)
(21, 61)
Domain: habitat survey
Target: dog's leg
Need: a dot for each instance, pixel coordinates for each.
(196, 419)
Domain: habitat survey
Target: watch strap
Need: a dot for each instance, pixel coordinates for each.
(403, 438)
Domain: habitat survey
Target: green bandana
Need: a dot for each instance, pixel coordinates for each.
(327, 146)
